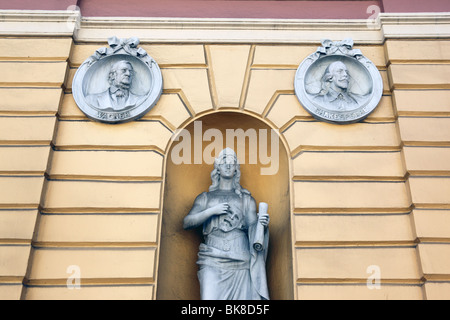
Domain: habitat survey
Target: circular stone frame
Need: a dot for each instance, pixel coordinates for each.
(364, 76)
(92, 78)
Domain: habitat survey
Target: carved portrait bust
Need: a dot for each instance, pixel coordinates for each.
(337, 84)
(118, 96)
(335, 94)
(117, 84)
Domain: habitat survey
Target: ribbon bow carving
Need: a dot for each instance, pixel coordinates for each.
(117, 46)
(344, 47)
(128, 45)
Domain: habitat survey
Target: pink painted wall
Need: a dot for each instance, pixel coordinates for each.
(397, 6)
(279, 9)
(228, 9)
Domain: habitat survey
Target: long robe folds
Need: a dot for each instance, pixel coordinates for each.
(230, 267)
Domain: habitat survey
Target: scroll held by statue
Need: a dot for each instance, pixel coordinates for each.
(258, 242)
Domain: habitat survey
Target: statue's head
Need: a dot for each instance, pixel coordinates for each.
(121, 74)
(336, 76)
(226, 166)
(226, 163)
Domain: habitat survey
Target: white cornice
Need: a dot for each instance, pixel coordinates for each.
(39, 22)
(415, 25)
(218, 23)
(189, 30)
(226, 30)
(416, 18)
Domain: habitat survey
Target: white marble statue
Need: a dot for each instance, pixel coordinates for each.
(232, 257)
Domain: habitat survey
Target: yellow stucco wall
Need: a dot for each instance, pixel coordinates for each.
(80, 193)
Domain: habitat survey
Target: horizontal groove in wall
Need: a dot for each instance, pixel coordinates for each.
(354, 213)
(22, 173)
(419, 86)
(397, 150)
(304, 148)
(15, 242)
(123, 148)
(31, 84)
(437, 277)
(31, 211)
(33, 59)
(275, 66)
(353, 244)
(105, 178)
(155, 118)
(352, 210)
(325, 281)
(426, 143)
(27, 116)
(432, 205)
(10, 280)
(351, 178)
(13, 113)
(430, 240)
(76, 65)
(89, 282)
(418, 61)
(99, 210)
(19, 206)
(291, 67)
(358, 123)
(308, 118)
(376, 119)
(76, 179)
(429, 173)
(182, 66)
(82, 117)
(425, 117)
(423, 114)
(108, 148)
(143, 119)
(23, 143)
(96, 245)
(99, 213)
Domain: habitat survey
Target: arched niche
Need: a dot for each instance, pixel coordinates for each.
(177, 270)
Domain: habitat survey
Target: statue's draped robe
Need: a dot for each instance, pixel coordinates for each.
(230, 268)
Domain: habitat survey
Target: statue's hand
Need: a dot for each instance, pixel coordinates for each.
(264, 219)
(221, 208)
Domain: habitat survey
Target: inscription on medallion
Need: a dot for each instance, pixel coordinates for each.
(108, 116)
